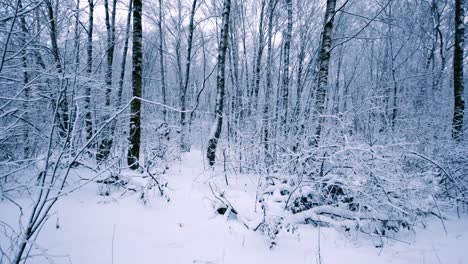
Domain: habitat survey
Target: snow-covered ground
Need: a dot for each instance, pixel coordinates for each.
(88, 228)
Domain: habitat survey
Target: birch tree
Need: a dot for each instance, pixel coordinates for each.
(324, 65)
(220, 86)
(135, 108)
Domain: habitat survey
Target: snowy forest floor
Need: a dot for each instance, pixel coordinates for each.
(117, 229)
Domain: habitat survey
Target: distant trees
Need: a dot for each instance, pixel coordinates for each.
(302, 88)
(287, 77)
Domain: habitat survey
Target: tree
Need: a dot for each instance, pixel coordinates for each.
(324, 65)
(105, 144)
(268, 86)
(161, 60)
(458, 85)
(220, 86)
(63, 113)
(286, 61)
(133, 154)
(258, 63)
(123, 65)
(183, 115)
(89, 70)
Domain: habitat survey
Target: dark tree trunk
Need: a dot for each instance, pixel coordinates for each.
(268, 86)
(135, 107)
(105, 144)
(458, 86)
(286, 62)
(184, 145)
(110, 28)
(89, 70)
(124, 54)
(27, 90)
(63, 113)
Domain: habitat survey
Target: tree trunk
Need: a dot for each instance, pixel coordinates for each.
(458, 85)
(185, 146)
(105, 144)
(63, 113)
(124, 54)
(133, 154)
(110, 28)
(89, 71)
(324, 64)
(24, 62)
(161, 61)
(216, 129)
(268, 87)
(286, 62)
(258, 66)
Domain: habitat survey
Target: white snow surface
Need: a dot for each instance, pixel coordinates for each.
(119, 230)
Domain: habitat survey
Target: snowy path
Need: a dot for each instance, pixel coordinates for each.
(96, 229)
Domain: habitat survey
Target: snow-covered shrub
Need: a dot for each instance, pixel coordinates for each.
(373, 189)
(452, 168)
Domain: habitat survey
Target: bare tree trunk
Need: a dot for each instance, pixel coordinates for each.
(24, 62)
(115, 123)
(124, 54)
(268, 87)
(216, 129)
(105, 144)
(161, 61)
(89, 70)
(53, 36)
(178, 55)
(110, 28)
(300, 77)
(286, 62)
(324, 64)
(258, 66)
(184, 145)
(458, 85)
(63, 113)
(135, 107)
(246, 63)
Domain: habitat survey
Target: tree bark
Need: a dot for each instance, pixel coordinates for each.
(123, 65)
(458, 85)
(258, 66)
(105, 144)
(110, 28)
(133, 154)
(268, 86)
(161, 61)
(324, 64)
(184, 145)
(216, 129)
(63, 113)
(24, 62)
(286, 62)
(89, 70)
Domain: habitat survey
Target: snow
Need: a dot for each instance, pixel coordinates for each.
(118, 229)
